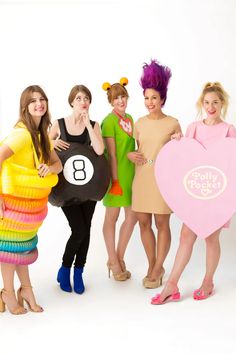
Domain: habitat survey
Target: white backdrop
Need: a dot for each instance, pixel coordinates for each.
(57, 44)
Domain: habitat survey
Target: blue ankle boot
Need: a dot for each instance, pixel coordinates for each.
(78, 280)
(63, 278)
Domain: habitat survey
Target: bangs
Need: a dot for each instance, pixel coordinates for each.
(117, 90)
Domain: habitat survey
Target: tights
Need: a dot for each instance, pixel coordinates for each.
(79, 218)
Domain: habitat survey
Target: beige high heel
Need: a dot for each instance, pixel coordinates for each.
(21, 299)
(152, 284)
(118, 276)
(20, 310)
(123, 267)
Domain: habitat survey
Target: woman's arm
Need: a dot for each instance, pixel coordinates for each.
(111, 150)
(136, 157)
(54, 134)
(5, 153)
(94, 133)
(54, 166)
(96, 138)
(177, 135)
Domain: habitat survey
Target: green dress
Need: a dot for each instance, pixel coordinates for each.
(122, 132)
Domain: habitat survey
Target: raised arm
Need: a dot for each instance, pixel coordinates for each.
(96, 138)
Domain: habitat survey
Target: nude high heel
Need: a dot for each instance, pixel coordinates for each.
(152, 284)
(2, 303)
(21, 299)
(123, 267)
(19, 310)
(118, 276)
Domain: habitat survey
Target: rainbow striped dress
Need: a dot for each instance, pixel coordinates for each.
(25, 197)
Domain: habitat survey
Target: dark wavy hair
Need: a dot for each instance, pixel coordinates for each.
(156, 76)
(38, 134)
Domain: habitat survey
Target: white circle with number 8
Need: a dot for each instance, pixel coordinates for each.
(78, 170)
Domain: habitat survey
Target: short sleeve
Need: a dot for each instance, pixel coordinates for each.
(17, 139)
(108, 128)
(190, 132)
(177, 127)
(136, 129)
(231, 132)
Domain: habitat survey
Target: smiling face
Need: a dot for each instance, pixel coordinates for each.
(152, 101)
(37, 106)
(212, 105)
(120, 104)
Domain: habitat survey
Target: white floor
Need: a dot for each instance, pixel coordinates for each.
(114, 317)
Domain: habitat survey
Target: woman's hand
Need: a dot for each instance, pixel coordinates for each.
(2, 208)
(43, 170)
(115, 188)
(176, 136)
(60, 144)
(136, 157)
(85, 118)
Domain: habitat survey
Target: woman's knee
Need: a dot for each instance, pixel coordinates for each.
(162, 222)
(145, 224)
(111, 217)
(187, 237)
(212, 241)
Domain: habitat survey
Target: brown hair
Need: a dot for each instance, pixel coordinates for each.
(38, 134)
(115, 91)
(221, 93)
(75, 90)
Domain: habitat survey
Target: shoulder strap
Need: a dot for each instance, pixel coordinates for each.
(62, 127)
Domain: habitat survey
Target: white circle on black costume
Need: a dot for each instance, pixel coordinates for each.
(78, 170)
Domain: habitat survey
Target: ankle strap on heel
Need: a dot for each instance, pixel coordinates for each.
(26, 287)
(8, 292)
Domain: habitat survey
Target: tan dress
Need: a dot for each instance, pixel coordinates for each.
(151, 135)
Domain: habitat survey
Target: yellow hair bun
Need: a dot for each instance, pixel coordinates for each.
(124, 81)
(106, 86)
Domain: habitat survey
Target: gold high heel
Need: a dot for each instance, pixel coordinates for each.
(121, 276)
(21, 299)
(123, 267)
(20, 310)
(152, 284)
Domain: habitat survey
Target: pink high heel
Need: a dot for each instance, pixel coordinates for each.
(175, 296)
(199, 294)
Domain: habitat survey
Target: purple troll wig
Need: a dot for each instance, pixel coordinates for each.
(156, 76)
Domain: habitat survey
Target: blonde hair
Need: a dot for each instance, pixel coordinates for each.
(221, 93)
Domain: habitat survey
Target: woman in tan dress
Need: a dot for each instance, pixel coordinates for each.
(151, 133)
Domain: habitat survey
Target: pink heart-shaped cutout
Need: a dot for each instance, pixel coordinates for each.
(199, 183)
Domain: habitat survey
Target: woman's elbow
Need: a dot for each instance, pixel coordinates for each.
(100, 151)
(58, 167)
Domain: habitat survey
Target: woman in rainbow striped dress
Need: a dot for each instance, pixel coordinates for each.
(28, 168)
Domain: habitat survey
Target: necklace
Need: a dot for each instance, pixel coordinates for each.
(125, 123)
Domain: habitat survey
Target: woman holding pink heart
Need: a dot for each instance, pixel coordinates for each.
(214, 101)
(151, 132)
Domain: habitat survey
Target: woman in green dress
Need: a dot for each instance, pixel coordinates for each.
(117, 131)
